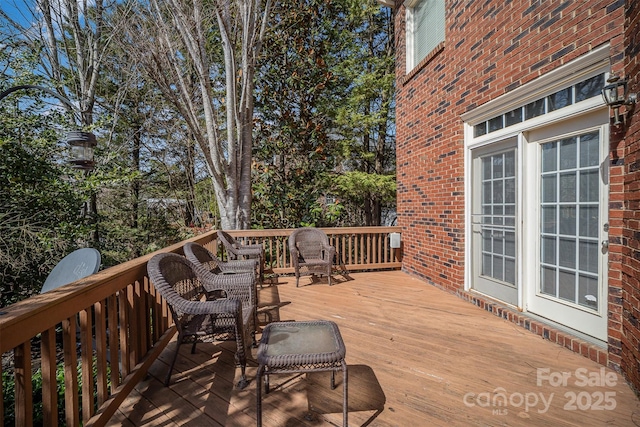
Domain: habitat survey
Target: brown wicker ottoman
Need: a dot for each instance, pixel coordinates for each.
(290, 347)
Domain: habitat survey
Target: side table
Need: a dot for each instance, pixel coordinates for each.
(309, 346)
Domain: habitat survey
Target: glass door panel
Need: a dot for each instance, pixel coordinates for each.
(569, 220)
(494, 225)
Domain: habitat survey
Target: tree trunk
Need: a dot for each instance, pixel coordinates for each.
(177, 50)
(135, 185)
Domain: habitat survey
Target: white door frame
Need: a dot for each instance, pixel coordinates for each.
(590, 64)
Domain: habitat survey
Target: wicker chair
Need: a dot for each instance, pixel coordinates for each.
(236, 250)
(311, 253)
(188, 290)
(198, 254)
(202, 257)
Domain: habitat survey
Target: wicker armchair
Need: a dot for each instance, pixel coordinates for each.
(187, 290)
(236, 250)
(198, 254)
(311, 253)
(225, 270)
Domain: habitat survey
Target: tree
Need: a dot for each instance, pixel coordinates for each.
(40, 201)
(202, 57)
(325, 112)
(295, 98)
(366, 116)
(137, 128)
(70, 40)
(39, 214)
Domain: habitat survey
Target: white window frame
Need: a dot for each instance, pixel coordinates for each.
(411, 34)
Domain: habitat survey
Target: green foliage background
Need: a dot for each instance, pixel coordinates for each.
(325, 116)
(323, 144)
(40, 203)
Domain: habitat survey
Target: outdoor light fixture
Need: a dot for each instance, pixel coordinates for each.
(615, 94)
(82, 143)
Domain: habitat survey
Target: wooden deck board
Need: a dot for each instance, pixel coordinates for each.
(415, 353)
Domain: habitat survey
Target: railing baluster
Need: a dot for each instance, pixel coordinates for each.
(287, 260)
(49, 380)
(23, 387)
(132, 326)
(112, 324)
(70, 371)
(123, 327)
(146, 318)
(155, 308)
(86, 352)
(101, 350)
(143, 318)
(385, 249)
(166, 316)
(343, 246)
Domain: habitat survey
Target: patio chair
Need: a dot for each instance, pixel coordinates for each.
(236, 250)
(189, 291)
(202, 257)
(311, 253)
(198, 254)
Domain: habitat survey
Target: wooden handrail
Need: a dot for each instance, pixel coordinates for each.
(109, 327)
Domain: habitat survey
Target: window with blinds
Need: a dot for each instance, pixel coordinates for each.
(425, 29)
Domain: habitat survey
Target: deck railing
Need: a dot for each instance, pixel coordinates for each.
(357, 248)
(99, 335)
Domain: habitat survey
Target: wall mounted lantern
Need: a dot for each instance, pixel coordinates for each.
(616, 94)
(82, 143)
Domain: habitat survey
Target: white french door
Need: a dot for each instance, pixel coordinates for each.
(536, 197)
(568, 222)
(539, 222)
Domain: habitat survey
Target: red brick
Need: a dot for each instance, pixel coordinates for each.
(419, 146)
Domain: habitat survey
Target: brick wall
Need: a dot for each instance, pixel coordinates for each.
(490, 49)
(629, 335)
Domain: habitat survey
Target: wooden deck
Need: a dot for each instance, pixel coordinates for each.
(416, 356)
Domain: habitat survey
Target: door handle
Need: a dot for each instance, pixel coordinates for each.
(605, 246)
